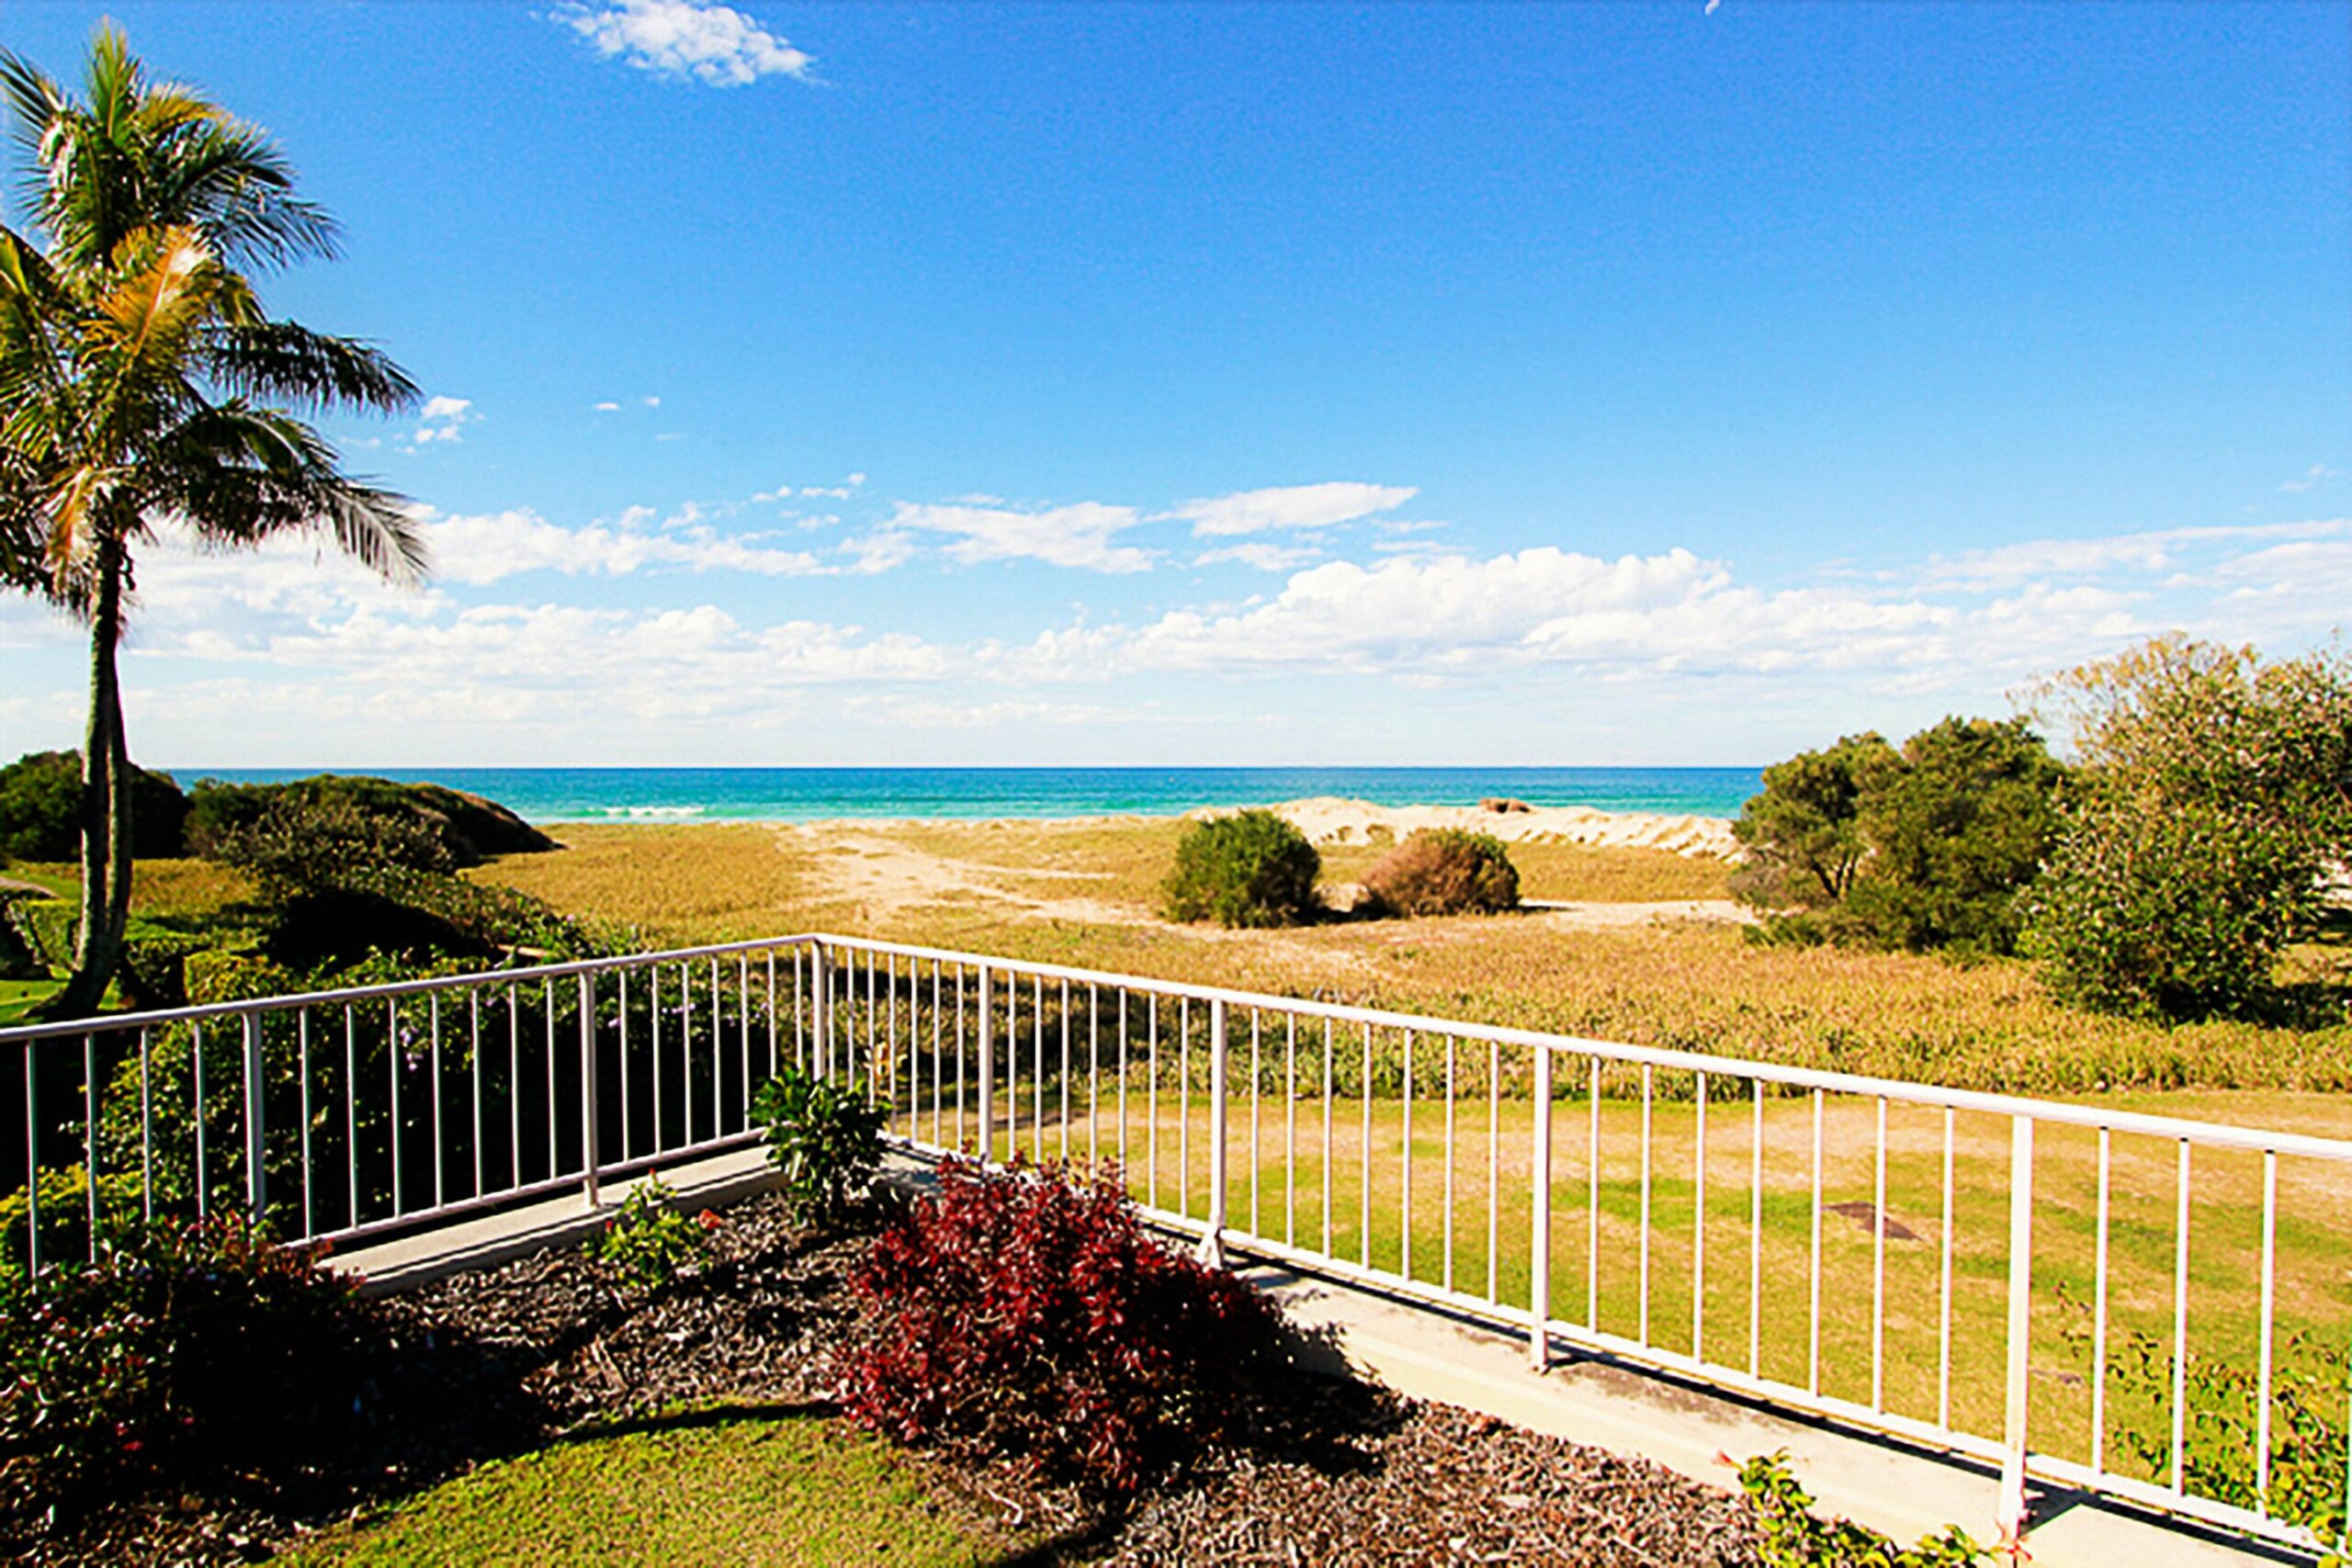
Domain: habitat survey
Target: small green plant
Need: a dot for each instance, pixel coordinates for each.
(1446, 870)
(2310, 1388)
(1793, 1536)
(648, 1243)
(822, 1138)
(1252, 868)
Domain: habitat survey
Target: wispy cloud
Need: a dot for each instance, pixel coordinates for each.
(1287, 508)
(1078, 535)
(2317, 474)
(488, 547)
(713, 44)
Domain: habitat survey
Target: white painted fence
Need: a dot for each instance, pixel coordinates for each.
(2088, 1297)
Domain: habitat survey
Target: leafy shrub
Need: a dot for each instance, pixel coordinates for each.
(1445, 872)
(296, 845)
(1956, 825)
(648, 1243)
(40, 800)
(1252, 868)
(1795, 1536)
(1029, 1316)
(823, 1139)
(1923, 848)
(66, 1214)
(1803, 834)
(466, 828)
(2310, 1386)
(21, 954)
(202, 1342)
(2217, 794)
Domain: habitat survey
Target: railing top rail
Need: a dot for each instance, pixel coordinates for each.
(2216, 1134)
(2212, 1134)
(104, 1023)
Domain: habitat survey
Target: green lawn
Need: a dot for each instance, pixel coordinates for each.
(704, 1488)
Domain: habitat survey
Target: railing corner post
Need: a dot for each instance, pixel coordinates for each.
(256, 1166)
(590, 1187)
(2012, 1517)
(1539, 1248)
(1212, 1239)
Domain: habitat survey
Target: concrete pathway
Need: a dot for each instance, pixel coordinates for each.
(1895, 1488)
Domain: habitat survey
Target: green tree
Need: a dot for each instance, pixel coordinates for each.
(1956, 827)
(1804, 833)
(143, 382)
(2216, 797)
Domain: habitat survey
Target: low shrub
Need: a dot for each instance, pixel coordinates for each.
(648, 1243)
(66, 1214)
(1252, 868)
(465, 829)
(1793, 1536)
(41, 803)
(824, 1140)
(1446, 870)
(194, 1345)
(1027, 1316)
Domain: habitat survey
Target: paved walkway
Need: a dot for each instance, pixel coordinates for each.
(1899, 1490)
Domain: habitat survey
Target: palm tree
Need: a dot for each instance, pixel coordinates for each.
(141, 385)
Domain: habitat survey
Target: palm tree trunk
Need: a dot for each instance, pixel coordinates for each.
(105, 811)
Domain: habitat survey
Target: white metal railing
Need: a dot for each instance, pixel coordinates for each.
(1493, 1170)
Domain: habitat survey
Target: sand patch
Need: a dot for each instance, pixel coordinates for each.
(1584, 915)
(889, 878)
(1328, 819)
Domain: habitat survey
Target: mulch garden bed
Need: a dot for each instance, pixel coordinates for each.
(483, 1365)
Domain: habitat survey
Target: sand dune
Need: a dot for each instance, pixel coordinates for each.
(1328, 819)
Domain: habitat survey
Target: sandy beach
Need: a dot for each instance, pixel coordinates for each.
(1329, 819)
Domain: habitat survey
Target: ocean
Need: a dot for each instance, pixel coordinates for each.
(805, 795)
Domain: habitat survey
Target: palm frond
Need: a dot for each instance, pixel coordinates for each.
(282, 362)
(236, 476)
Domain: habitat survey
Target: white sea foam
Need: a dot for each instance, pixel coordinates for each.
(651, 811)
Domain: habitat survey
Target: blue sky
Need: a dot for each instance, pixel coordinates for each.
(1581, 383)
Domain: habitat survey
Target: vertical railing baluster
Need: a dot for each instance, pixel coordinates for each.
(2011, 1514)
(2270, 1305)
(546, 1011)
(1327, 1135)
(771, 1026)
(1094, 1078)
(203, 1171)
(1405, 1170)
(1494, 1170)
(514, 1085)
(1756, 1235)
(1446, 1249)
(686, 1055)
(440, 1162)
(1212, 1239)
(473, 1006)
(393, 1057)
(591, 1185)
(256, 1132)
(1065, 1078)
(89, 1138)
(2180, 1331)
(2098, 1310)
(351, 1113)
(1185, 1107)
(1256, 1228)
(32, 1160)
(1151, 1097)
(1592, 1203)
(1813, 1326)
(1642, 1313)
(1364, 1089)
(146, 1127)
(1699, 1227)
(988, 1068)
(1538, 1240)
(1290, 1129)
(1943, 1332)
(1878, 1269)
(309, 1177)
(628, 1124)
(653, 1050)
(743, 1039)
(1037, 1068)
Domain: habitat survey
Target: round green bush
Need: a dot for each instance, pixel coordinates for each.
(1445, 871)
(1249, 869)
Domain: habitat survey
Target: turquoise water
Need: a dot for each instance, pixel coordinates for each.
(804, 794)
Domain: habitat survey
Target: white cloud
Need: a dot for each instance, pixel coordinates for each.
(442, 418)
(1287, 507)
(713, 44)
(2316, 474)
(1264, 556)
(608, 408)
(486, 547)
(651, 402)
(2151, 551)
(1077, 536)
(882, 550)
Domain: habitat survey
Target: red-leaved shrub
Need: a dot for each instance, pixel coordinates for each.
(1027, 1314)
(1445, 871)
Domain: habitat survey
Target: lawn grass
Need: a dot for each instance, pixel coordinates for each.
(705, 1488)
